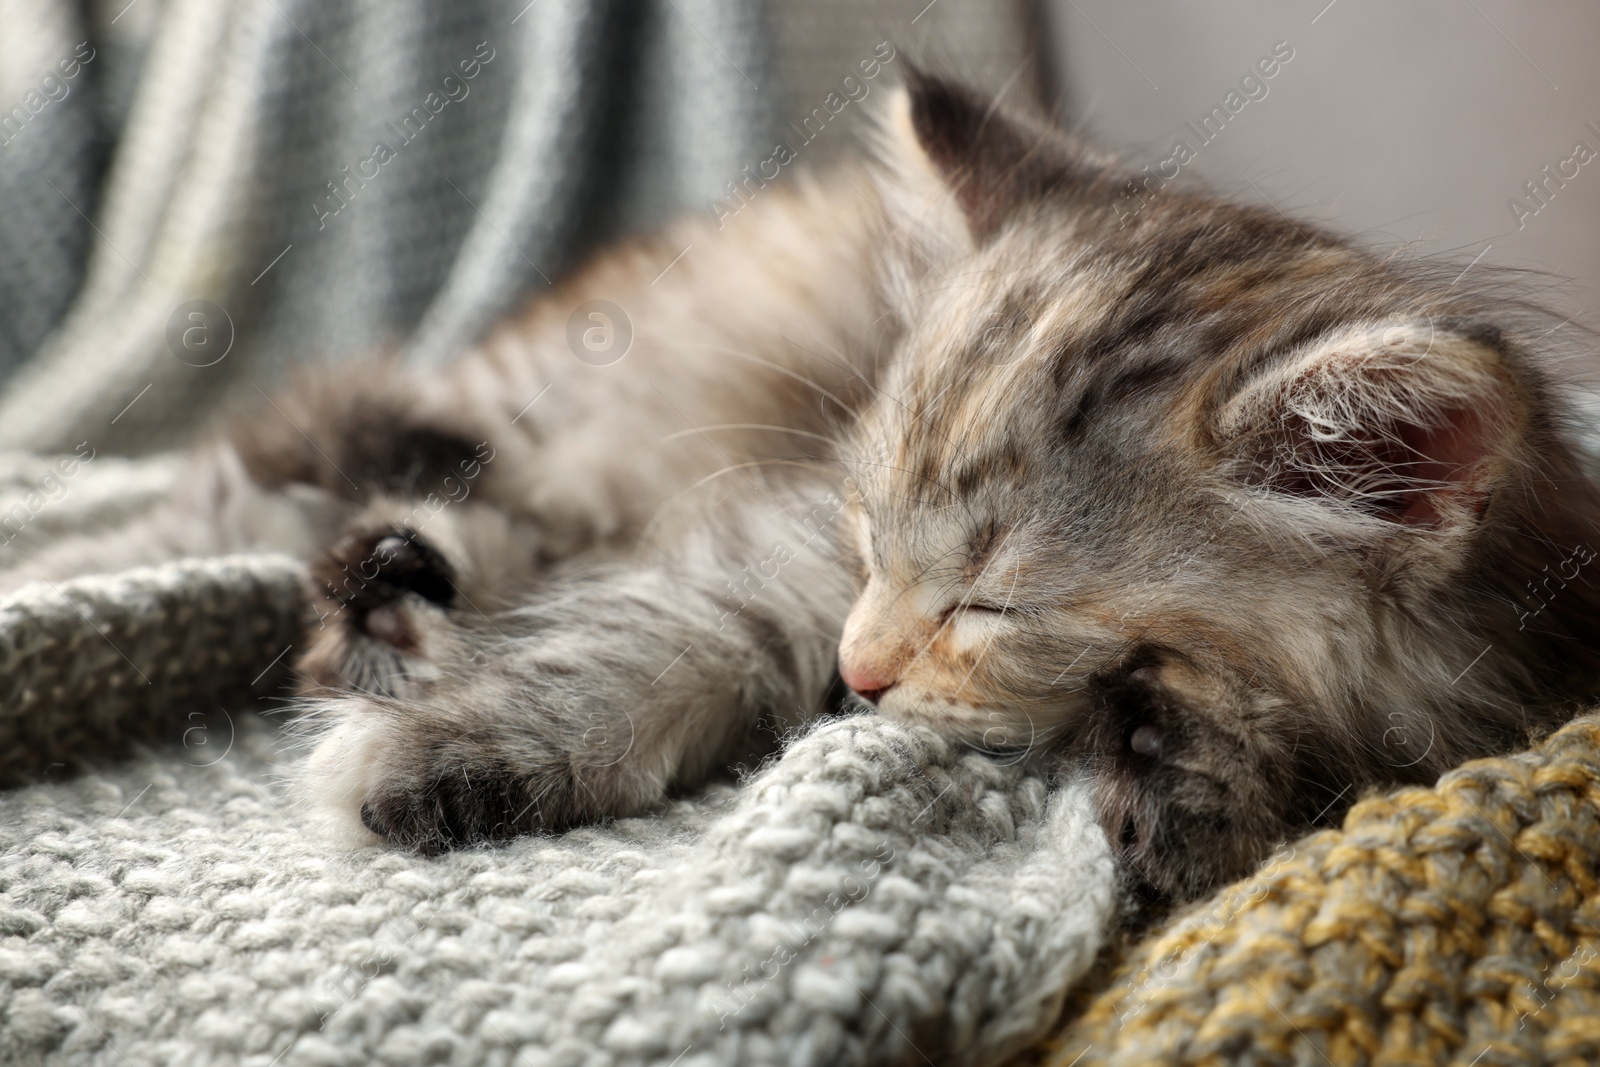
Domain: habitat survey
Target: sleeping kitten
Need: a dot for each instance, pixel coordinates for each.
(1238, 514)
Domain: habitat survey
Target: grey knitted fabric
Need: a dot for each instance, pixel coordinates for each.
(90, 664)
(247, 175)
(873, 896)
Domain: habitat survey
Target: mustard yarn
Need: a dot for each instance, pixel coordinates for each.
(1458, 924)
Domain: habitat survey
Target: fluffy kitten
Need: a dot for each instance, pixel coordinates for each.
(1241, 515)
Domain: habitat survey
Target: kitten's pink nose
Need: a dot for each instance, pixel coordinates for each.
(870, 683)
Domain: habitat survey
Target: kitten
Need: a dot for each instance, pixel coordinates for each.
(1240, 516)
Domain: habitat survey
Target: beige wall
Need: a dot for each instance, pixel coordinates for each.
(1407, 122)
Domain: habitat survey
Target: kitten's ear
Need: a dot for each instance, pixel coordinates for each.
(958, 165)
(1408, 423)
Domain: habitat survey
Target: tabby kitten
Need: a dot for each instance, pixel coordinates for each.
(1240, 516)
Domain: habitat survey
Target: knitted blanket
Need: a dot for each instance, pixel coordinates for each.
(202, 200)
(873, 895)
(1458, 924)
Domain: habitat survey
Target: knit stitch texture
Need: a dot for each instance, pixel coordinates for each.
(1459, 924)
(87, 665)
(874, 895)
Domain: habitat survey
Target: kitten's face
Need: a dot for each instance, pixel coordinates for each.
(1193, 497)
(1051, 513)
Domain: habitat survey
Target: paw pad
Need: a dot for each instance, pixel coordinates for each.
(369, 575)
(407, 562)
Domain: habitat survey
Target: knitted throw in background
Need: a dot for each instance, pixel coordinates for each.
(1459, 924)
(224, 151)
(874, 896)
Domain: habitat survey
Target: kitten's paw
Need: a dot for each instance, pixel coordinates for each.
(429, 779)
(1191, 792)
(448, 800)
(381, 592)
(369, 574)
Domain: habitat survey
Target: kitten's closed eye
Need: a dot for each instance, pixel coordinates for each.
(976, 609)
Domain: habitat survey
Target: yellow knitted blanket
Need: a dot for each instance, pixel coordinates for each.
(1458, 924)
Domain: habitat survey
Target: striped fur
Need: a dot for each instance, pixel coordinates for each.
(1237, 512)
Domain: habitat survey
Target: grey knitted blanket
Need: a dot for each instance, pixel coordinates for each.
(221, 158)
(873, 895)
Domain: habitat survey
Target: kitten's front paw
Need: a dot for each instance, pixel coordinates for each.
(449, 798)
(1192, 792)
(429, 779)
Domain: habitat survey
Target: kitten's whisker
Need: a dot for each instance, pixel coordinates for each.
(664, 510)
(781, 369)
(748, 426)
(903, 470)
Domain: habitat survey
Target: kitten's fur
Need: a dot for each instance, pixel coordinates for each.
(1238, 513)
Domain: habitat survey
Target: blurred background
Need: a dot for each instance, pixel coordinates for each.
(194, 194)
